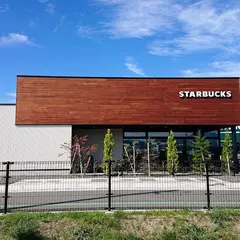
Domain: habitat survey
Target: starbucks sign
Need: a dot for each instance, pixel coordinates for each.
(205, 94)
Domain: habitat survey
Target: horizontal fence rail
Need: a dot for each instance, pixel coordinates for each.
(50, 186)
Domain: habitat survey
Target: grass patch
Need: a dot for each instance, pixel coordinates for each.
(155, 225)
(221, 217)
(184, 212)
(195, 232)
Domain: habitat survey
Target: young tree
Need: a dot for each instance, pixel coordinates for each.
(172, 154)
(201, 153)
(148, 157)
(78, 152)
(131, 153)
(134, 155)
(226, 154)
(108, 150)
(154, 154)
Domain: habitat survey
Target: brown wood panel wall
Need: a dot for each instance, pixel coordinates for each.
(59, 100)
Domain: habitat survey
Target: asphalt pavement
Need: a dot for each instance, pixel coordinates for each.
(186, 192)
(120, 200)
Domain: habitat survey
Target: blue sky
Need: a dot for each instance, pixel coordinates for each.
(151, 38)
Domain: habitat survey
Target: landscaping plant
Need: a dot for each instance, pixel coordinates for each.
(132, 154)
(172, 154)
(136, 225)
(78, 152)
(148, 158)
(108, 150)
(201, 153)
(226, 154)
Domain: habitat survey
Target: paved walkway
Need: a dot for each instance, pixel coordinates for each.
(120, 184)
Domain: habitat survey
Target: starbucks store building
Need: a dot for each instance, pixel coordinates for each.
(50, 110)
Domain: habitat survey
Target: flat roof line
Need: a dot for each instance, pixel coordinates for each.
(119, 77)
(7, 104)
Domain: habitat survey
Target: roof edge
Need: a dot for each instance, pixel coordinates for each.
(119, 77)
(7, 104)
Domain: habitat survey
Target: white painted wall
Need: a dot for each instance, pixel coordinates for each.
(96, 136)
(41, 144)
(30, 142)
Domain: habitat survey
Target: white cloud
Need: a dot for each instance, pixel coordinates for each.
(50, 8)
(139, 18)
(179, 27)
(133, 67)
(204, 27)
(216, 69)
(192, 42)
(4, 8)
(15, 39)
(62, 20)
(32, 23)
(211, 18)
(10, 99)
(85, 31)
(11, 94)
(13, 100)
(163, 48)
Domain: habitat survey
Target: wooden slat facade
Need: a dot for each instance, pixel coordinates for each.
(65, 100)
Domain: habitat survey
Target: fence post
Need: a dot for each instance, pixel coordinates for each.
(208, 188)
(6, 186)
(109, 208)
(109, 185)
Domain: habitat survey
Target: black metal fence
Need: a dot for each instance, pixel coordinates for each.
(49, 186)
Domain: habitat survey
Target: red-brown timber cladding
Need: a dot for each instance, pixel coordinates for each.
(66, 100)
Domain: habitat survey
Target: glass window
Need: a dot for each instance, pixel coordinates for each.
(222, 136)
(229, 130)
(158, 134)
(226, 130)
(211, 134)
(134, 134)
(215, 150)
(183, 134)
(159, 144)
(184, 146)
(141, 143)
(140, 153)
(214, 143)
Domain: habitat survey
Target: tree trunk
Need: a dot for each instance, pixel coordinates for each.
(81, 168)
(128, 158)
(204, 163)
(80, 160)
(149, 170)
(228, 163)
(81, 163)
(134, 161)
(74, 165)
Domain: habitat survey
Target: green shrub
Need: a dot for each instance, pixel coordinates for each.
(195, 232)
(166, 235)
(117, 236)
(82, 234)
(186, 232)
(220, 217)
(25, 230)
